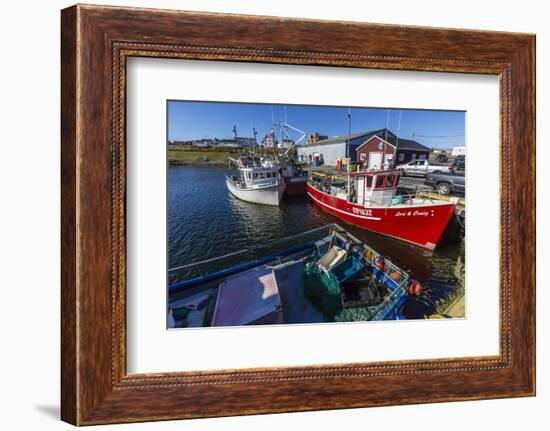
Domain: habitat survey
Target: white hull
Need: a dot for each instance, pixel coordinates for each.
(267, 195)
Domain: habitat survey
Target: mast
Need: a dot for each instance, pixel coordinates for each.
(348, 154)
(349, 132)
(398, 134)
(254, 142)
(385, 139)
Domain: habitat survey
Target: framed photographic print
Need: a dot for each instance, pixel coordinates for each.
(329, 214)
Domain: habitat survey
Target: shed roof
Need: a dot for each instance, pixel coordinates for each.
(386, 134)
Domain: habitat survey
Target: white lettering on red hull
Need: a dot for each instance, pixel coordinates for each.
(415, 213)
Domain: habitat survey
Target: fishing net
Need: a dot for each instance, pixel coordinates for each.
(323, 291)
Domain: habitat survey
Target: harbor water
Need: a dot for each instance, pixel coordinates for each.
(205, 221)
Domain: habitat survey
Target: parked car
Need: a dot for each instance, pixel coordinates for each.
(442, 158)
(460, 163)
(423, 167)
(446, 183)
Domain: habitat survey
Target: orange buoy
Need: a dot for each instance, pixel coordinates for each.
(368, 255)
(380, 263)
(395, 275)
(414, 288)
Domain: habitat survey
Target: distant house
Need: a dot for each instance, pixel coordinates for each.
(203, 142)
(245, 142)
(458, 151)
(329, 150)
(315, 137)
(269, 140)
(228, 143)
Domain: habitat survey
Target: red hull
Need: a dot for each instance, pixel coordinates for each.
(295, 185)
(420, 225)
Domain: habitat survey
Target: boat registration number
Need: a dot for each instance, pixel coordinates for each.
(362, 211)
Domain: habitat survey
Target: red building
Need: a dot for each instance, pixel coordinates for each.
(390, 150)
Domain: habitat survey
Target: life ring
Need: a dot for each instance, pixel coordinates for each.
(414, 288)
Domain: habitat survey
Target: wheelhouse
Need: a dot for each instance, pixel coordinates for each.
(259, 176)
(375, 187)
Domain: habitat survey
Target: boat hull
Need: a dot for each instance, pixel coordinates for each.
(295, 185)
(421, 225)
(269, 195)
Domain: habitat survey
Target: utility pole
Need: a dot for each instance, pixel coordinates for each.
(349, 133)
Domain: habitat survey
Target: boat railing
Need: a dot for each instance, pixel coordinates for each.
(389, 269)
(266, 251)
(262, 182)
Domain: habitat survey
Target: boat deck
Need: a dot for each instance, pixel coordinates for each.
(296, 307)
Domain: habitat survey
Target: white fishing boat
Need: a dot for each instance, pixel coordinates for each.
(258, 181)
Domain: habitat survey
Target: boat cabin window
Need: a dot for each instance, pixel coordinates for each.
(369, 181)
(379, 181)
(248, 175)
(262, 175)
(255, 175)
(390, 181)
(268, 174)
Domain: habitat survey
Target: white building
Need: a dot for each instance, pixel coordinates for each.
(458, 151)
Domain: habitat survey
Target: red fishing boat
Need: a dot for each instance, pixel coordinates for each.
(369, 200)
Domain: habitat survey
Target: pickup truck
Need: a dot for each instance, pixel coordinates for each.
(446, 183)
(423, 167)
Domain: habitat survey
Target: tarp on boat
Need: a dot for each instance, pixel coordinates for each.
(248, 298)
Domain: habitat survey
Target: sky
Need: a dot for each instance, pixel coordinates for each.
(197, 120)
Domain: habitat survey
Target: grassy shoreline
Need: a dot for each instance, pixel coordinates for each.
(196, 163)
(189, 155)
(198, 156)
(454, 305)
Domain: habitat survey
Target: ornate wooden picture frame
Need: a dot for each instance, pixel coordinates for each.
(96, 42)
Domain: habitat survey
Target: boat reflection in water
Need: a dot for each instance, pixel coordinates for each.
(327, 275)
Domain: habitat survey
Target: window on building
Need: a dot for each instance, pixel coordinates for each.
(413, 156)
(401, 157)
(422, 156)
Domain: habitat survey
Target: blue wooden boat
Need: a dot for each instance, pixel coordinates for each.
(313, 280)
